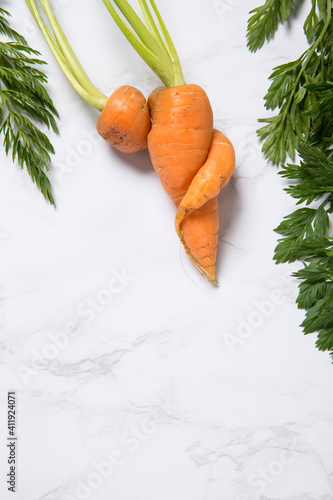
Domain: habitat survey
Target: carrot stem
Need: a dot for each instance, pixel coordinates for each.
(69, 54)
(150, 22)
(169, 43)
(140, 29)
(154, 61)
(65, 56)
(156, 50)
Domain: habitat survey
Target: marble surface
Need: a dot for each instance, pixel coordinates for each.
(135, 379)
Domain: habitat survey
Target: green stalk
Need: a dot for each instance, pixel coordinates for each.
(69, 54)
(160, 56)
(140, 29)
(150, 22)
(155, 63)
(70, 65)
(170, 45)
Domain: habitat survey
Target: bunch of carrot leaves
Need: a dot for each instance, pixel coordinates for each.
(24, 105)
(302, 92)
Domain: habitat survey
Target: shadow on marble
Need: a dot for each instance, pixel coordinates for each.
(139, 161)
(229, 208)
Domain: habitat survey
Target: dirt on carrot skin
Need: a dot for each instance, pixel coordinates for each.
(125, 120)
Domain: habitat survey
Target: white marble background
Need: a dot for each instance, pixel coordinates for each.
(135, 379)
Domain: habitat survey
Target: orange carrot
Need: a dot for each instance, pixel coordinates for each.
(124, 121)
(193, 161)
(197, 217)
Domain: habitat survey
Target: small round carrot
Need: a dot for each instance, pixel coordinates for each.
(197, 217)
(124, 121)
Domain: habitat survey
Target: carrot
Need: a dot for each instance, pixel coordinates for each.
(124, 121)
(179, 141)
(197, 216)
(193, 161)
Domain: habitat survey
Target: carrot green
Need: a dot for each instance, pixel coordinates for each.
(24, 106)
(302, 91)
(150, 38)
